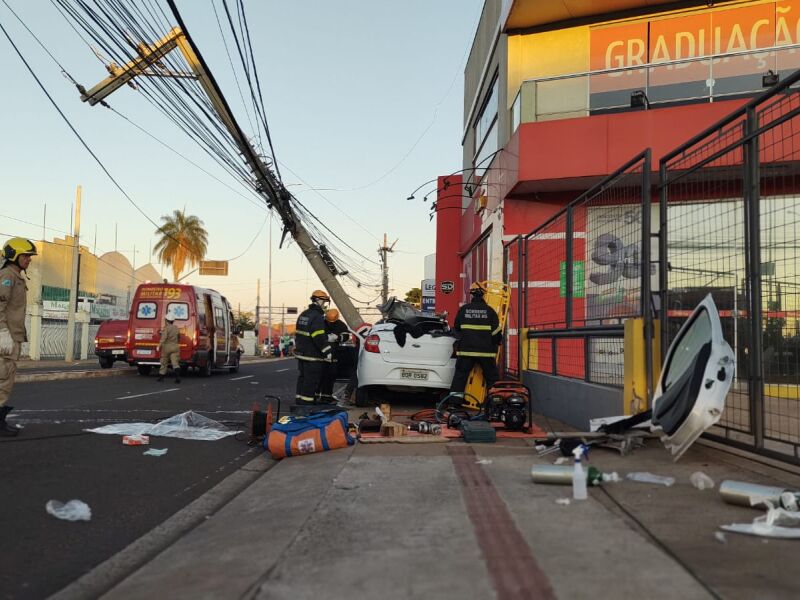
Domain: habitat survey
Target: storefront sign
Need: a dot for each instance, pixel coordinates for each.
(428, 287)
(447, 287)
(57, 309)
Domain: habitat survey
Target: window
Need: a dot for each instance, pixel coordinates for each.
(178, 311)
(219, 318)
(486, 134)
(147, 310)
(201, 311)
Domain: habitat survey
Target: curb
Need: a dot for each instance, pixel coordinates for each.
(62, 375)
(138, 553)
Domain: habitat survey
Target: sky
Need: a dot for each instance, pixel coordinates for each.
(364, 101)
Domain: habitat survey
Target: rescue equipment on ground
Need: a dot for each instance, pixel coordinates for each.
(509, 402)
(478, 431)
(292, 436)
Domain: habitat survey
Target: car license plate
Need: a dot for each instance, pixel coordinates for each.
(415, 375)
(144, 352)
(118, 352)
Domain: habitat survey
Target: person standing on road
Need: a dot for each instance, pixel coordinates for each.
(17, 256)
(170, 349)
(479, 334)
(337, 333)
(313, 350)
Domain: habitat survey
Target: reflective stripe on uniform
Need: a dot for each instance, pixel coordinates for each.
(498, 330)
(478, 354)
(304, 398)
(308, 358)
(298, 332)
(317, 332)
(477, 327)
(326, 349)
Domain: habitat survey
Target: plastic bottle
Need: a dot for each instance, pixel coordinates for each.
(578, 476)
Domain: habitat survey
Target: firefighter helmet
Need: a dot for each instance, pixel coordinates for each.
(477, 288)
(17, 246)
(331, 315)
(320, 295)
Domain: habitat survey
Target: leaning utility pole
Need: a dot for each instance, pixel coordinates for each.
(74, 279)
(383, 251)
(267, 184)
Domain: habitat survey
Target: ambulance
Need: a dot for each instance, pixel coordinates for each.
(208, 339)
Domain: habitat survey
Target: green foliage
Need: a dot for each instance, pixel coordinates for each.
(183, 240)
(245, 320)
(414, 296)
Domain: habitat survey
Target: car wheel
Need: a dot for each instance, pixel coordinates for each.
(106, 362)
(144, 370)
(208, 368)
(364, 397)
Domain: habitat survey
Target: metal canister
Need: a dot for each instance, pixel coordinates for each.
(743, 493)
(553, 474)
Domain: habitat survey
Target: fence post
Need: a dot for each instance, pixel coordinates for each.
(82, 317)
(522, 305)
(647, 313)
(35, 334)
(663, 264)
(568, 270)
(753, 236)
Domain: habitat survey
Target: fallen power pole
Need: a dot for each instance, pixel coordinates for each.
(276, 195)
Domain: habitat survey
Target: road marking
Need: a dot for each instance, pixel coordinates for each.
(148, 394)
(238, 378)
(281, 370)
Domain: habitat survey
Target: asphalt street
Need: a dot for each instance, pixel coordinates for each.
(128, 493)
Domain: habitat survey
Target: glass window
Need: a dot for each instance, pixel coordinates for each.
(147, 310)
(201, 312)
(516, 115)
(488, 115)
(219, 318)
(688, 348)
(178, 311)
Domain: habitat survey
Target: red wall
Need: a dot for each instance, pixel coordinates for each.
(448, 243)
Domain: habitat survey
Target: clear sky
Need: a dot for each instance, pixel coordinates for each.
(364, 100)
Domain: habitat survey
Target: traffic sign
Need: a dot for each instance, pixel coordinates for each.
(214, 267)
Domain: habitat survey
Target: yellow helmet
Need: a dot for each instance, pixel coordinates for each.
(331, 315)
(18, 247)
(477, 288)
(320, 295)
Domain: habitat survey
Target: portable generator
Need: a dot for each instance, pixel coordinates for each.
(509, 403)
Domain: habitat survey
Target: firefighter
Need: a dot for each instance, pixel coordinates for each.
(17, 256)
(312, 349)
(170, 349)
(338, 333)
(479, 335)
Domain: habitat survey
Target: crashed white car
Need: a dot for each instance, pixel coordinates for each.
(407, 351)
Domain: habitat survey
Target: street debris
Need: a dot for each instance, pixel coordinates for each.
(644, 477)
(777, 523)
(720, 537)
(561, 460)
(135, 440)
(74, 510)
(483, 461)
(743, 493)
(563, 501)
(701, 481)
(563, 474)
(155, 452)
(187, 426)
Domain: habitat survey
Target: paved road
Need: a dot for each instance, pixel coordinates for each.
(128, 493)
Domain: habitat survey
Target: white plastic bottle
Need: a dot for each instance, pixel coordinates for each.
(578, 476)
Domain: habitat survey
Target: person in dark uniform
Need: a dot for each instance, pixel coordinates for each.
(338, 333)
(312, 349)
(479, 334)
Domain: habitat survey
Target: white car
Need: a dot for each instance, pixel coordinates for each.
(392, 359)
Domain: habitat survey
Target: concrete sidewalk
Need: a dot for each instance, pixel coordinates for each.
(427, 520)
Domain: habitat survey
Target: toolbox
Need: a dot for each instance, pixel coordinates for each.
(477, 431)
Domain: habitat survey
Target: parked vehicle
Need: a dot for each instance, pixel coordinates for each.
(205, 320)
(109, 343)
(407, 351)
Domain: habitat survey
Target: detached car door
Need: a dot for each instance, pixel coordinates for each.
(697, 374)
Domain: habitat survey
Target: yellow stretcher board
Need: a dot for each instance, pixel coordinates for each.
(497, 297)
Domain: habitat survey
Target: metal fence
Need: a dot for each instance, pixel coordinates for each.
(54, 339)
(578, 276)
(729, 224)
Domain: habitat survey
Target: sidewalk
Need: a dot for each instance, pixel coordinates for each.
(427, 520)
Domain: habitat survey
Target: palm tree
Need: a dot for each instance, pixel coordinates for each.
(183, 239)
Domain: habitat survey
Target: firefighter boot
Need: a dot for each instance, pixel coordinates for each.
(7, 430)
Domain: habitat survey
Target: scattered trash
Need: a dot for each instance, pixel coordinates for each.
(701, 481)
(777, 523)
(562, 475)
(74, 510)
(612, 477)
(644, 477)
(483, 461)
(720, 537)
(579, 475)
(563, 501)
(188, 426)
(561, 460)
(156, 452)
(743, 493)
(135, 440)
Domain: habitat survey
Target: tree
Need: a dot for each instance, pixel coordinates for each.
(245, 320)
(183, 240)
(414, 296)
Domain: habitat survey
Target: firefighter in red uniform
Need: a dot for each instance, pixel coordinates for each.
(479, 335)
(312, 349)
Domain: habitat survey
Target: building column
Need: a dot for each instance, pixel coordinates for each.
(82, 317)
(35, 333)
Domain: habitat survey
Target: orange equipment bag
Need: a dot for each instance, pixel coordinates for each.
(326, 430)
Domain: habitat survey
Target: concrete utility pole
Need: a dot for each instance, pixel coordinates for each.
(73, 286)
(258, 310)
(269, 291)
(384, 252)
(267, 184)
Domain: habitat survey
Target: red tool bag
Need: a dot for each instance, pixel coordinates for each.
(321, 431)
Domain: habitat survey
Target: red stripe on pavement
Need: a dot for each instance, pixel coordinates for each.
(515, 573)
